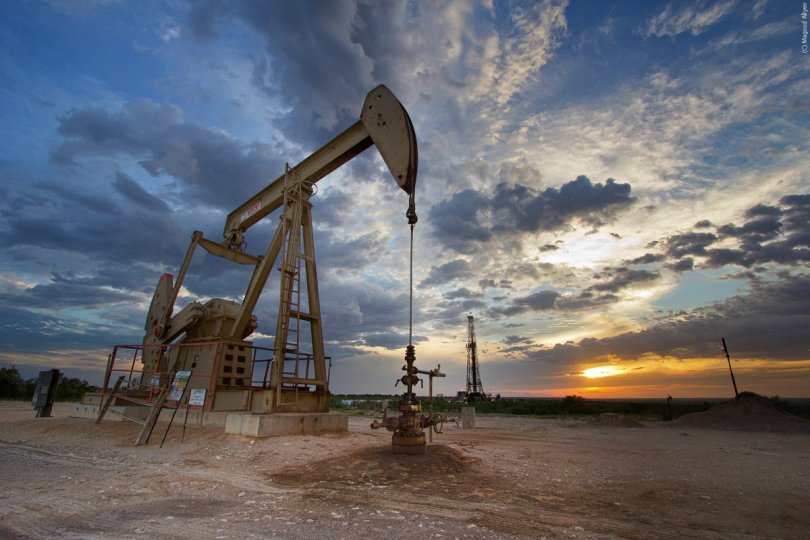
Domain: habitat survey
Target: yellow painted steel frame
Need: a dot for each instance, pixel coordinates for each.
(384, 123)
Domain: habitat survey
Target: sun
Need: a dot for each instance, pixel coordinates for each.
(602, 371)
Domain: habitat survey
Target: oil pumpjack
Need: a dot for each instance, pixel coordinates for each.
(209, 340)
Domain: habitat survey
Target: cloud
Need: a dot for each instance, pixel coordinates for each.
(538, 301)
(622, 278)
(647, 258)
(32, 332)
(691, 243)
(515, 339)
(772, 234)
(211, 167)
(469, 218)
(169, 33)
(389, 340)
(351, 254)
(594, 296)
(352, 310)
(696, 19)
(769, 322)
(134, 193)
(447, 272)
(459, 220)
(67, 292)
(304, 42)
(682, 265)
(536, 31)
(463, 292)
(68, 220)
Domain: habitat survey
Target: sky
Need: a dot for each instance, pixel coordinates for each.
(609, 188)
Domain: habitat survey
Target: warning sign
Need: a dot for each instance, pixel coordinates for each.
(178, 385)
(197, 397)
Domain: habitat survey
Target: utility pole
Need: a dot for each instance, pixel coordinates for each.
(728, 358)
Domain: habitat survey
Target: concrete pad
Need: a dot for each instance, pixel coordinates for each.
(81, 410)
(140, 412)
(275, 425)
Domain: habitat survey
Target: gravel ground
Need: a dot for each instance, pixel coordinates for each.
(511, 477)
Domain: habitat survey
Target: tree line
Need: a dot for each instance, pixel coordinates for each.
(14, 387)
(568, 406)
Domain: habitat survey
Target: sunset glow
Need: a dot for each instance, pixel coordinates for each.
(602, 371)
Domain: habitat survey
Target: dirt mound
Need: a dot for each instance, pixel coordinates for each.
(614, 420)
(449, 469)
(747, 412)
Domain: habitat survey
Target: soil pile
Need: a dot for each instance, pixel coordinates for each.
(614, 420)
(747, 412)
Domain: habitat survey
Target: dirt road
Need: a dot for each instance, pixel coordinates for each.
(511, 477)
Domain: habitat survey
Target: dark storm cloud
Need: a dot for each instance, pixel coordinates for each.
(204, 161)
(771, 234)
(389, 340)
(522, 208)
(553, 301)
(613, 281)
(617, 279)
(447, 272)
(26, 331)
(92, 202)
(304, 42)
(538, 301)
(134, 193)
(331, 209)
(353, 310)
(460, 221)
(486, 283)
(585, 300)
(335, 253)
(66, 292)
(763, 210)
(451, 313)
(68, 220)
(647, 258)
(757, 230)
(463, 292)
(516, 346)
(683, 265)
(515, 340)
(769, 322)
(691, 243)
(469, 217)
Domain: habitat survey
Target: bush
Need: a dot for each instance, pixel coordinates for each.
(13, 387)
(11, 384)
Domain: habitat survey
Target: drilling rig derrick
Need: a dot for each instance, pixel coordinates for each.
(475, 390)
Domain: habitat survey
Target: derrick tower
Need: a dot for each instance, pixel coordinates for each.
(475, 390)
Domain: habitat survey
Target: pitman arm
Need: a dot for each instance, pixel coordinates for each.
(384, 122)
